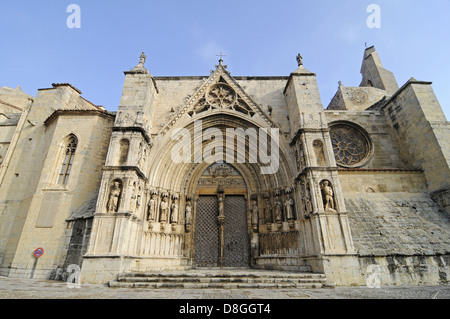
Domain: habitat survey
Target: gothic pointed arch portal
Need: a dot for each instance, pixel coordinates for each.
(233, 239)
(221, 228)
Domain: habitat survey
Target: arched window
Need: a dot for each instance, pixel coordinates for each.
(69, 154)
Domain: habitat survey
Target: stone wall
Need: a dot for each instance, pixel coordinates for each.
(421, 132)
(384, 144)
(406, 234)
(355, 98)
(34, 206)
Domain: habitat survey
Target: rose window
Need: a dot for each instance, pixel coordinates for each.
(222, 96)
(351, 147)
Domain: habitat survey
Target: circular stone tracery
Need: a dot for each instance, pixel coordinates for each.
(351, 146)
(221, 95)
(359, 96)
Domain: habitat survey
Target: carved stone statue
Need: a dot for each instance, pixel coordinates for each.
(164, 210)
(289, 207)
(114, 196)
(152, 208)
(174, 215)
(142, 59)
(299, 59)
(327, 196)
(188, 212)
(278, 215)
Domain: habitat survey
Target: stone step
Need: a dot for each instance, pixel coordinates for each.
(220, 279)
(117, 284)
(223, 275)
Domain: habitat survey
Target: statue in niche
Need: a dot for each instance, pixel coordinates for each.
(188, 212)
(268, 211)
(277, 207)
(114, 196)
(327, 196)
(164, 210)
(152, 208)
(174, 214)
(289, 204)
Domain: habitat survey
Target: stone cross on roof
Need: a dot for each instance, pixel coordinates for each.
(221, 55)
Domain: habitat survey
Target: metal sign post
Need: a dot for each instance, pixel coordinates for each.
(38, 252)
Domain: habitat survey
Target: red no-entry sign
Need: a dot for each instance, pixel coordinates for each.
(38, 252)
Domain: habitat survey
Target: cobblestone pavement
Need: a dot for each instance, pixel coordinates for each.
(11, 288)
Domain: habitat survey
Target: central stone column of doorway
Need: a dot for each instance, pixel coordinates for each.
(221, 220)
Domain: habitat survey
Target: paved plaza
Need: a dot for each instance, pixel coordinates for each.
(12, 288)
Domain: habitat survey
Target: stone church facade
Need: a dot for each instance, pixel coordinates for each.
(363, 182)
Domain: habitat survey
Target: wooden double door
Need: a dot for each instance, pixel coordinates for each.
(221, 242)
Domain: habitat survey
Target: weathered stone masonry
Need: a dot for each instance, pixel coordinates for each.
(362, 182)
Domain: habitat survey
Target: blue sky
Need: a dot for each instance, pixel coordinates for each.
(183, 38)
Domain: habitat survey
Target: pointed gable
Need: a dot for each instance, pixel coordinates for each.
(220, 92)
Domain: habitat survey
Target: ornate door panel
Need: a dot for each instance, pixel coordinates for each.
(206, 233)
(236, 248)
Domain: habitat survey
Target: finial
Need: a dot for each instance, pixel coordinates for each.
(340, 83)
(142, 59)
(299, 59)
(140, 68)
